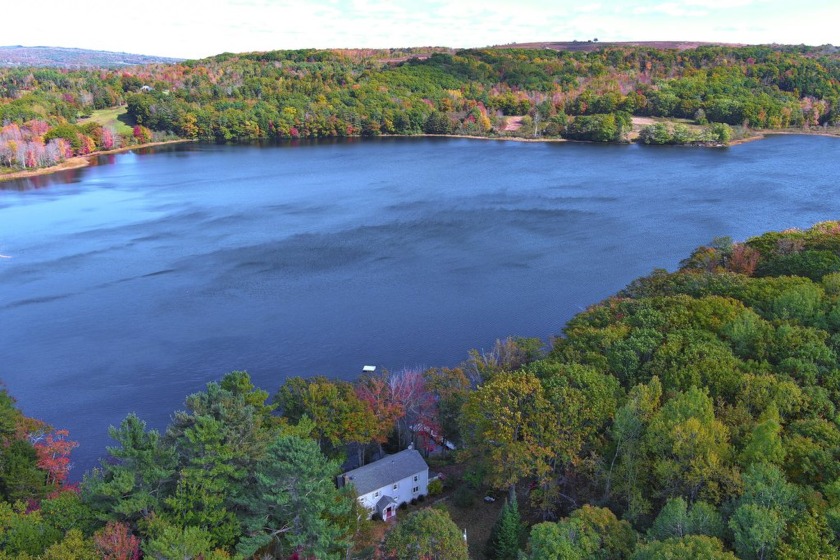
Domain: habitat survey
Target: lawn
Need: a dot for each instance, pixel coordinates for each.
(115, 118)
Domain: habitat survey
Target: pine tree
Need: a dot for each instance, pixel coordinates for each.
(507, 534)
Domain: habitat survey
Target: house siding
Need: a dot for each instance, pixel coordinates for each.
(403, 493)
(376, 481)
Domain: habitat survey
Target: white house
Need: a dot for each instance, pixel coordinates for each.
(385, 484)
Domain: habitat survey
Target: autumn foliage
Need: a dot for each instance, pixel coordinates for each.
(115, 542)
(53, 451)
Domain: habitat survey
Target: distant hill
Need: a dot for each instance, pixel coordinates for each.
(74, 58)
(592, 45)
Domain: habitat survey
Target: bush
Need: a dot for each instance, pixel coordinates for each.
(435, 487)
(464, 496)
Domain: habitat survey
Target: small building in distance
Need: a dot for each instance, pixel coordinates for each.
(384, 485)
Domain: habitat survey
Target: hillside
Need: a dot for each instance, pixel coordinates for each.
(674, 93)
(590, 45)
(60, 57)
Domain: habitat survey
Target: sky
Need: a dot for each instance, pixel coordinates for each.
(200, 28)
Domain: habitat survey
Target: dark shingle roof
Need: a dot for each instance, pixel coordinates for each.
(386, 471)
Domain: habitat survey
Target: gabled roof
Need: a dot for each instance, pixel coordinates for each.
(388, 470)
(384, 502)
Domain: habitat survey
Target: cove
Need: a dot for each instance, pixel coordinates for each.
(134, 282)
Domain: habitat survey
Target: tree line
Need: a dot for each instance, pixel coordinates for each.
(339, 93)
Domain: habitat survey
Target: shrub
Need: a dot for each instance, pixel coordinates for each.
(464, 496)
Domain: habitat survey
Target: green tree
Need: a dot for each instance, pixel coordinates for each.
(218, 441)
(133, 483)
(692, 547)
(807, 538)
(74, 546)
(451, 389)
(20, 477)
(292, 503)
(23, 533)
(656, 133)
(762, 511)
(676, 519)
(437, 123)
(428, 534)
(627, 473)
(689, 449)
(583, 401)
(506, 535)
(616, 538)
(547, 541)
(765, 444)
(340, 416)
(67, 511)
(590, 532)
(757, 531)
(167, 541)
(596, 128)
(508, 422)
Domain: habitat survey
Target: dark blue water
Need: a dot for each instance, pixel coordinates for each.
(135, 282)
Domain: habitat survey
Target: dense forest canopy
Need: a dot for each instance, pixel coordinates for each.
(694, 415)
(338, 93)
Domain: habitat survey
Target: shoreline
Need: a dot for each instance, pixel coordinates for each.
(77, 162)
(474, 137)
(762, 134)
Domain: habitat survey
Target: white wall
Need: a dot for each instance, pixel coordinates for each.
(403, 492)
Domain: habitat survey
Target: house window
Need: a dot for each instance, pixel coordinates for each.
(396, 486)
(376, 494)
(415, 478)
(415, 489)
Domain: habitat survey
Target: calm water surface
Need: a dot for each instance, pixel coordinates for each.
(135, 282)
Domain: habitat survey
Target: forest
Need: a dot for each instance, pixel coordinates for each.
(707, 95)
(692, 415)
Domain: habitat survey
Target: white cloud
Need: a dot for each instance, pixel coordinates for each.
(673, 9)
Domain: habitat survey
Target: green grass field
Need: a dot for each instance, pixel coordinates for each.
(115, 118)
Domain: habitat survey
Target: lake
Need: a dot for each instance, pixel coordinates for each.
(134, 282)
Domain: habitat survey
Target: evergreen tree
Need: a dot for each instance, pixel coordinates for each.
(506, 534)
(293, 504)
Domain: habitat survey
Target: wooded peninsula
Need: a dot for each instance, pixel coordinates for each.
(706, 95)
(691, 415)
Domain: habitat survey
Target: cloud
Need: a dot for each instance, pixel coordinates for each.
(673, 9)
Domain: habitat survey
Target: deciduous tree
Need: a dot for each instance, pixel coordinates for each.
(428, 534)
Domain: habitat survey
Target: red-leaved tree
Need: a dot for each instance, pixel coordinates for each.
(115, 542)
(375, 391)
(53, 451)
(420, 419)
